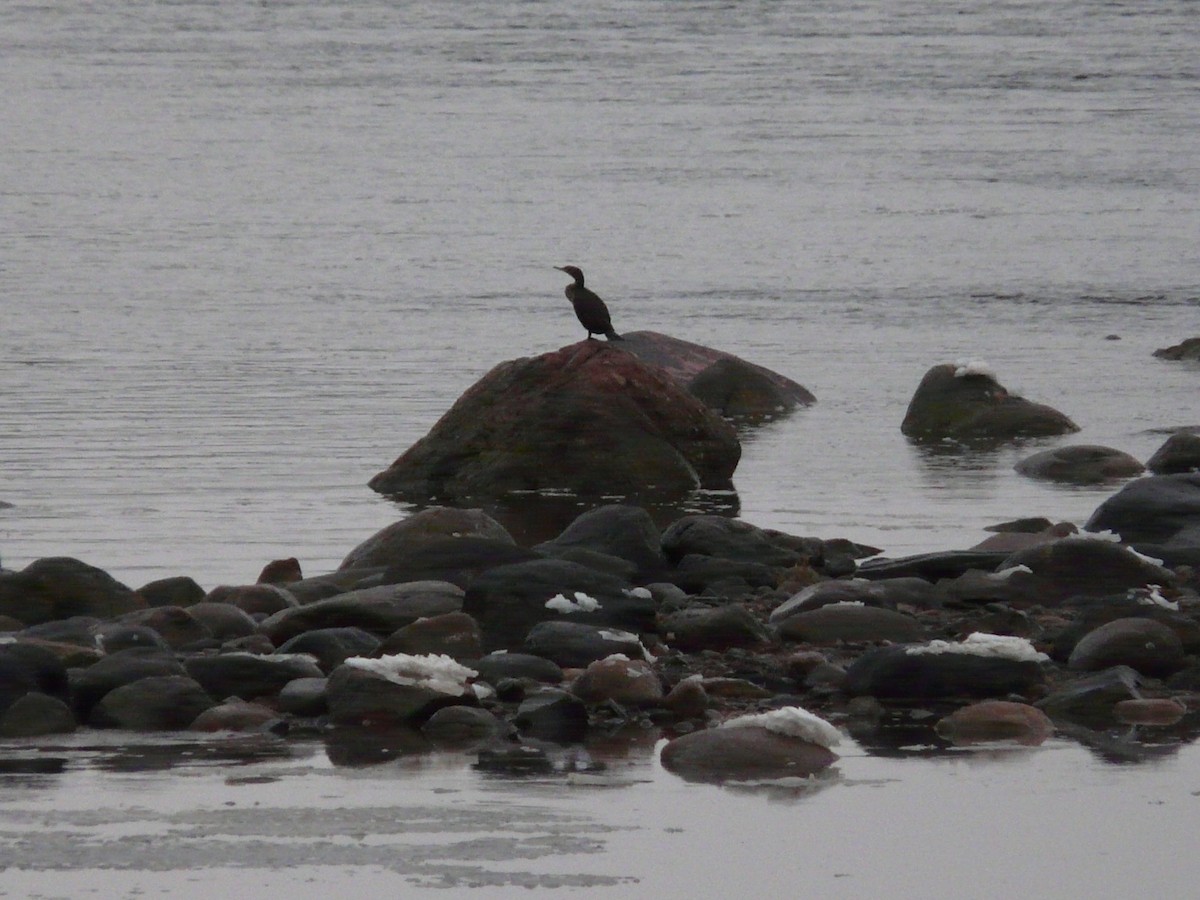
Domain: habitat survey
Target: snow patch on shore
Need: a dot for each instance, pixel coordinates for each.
(436, 672)
(792, 721)
(566, 606)
(995, 646)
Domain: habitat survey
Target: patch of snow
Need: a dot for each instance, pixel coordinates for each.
(1150, 596)
(793, 721)
(619, 657)
(995, 646)
(1106, 535)
(965, 367)
(436, 672)
(1144, 558)
(566, 606)
(847, 603)
(627, 637)
(640, 593)
(1011, 571)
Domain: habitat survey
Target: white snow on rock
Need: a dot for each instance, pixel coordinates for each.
(565, 605)
(436, 672)
(965, 367)
(792, 721)
(996, 646)
(1150, 596)
(1011, 571)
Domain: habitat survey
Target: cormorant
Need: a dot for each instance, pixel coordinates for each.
(590, 309)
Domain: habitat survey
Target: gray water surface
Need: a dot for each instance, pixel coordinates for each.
(250, 252)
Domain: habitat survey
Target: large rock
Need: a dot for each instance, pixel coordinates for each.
(455, 634)
(331, 647)
(1156, 512)
(419, 529)
(964, 402)
(247, 675)
(36, 714)
(748, 385)
(785, 743)
(629, 682)
(709, 535)
(176, 625)
(224, 621)
(379, 610)
(1179, 453)
(509, 600)
(574, 645)
(852, 622)
(1080, 464)
(1145, 645)
(996, 720)
(458, 560)
(1186, 349)
(89, 686)
(626, 532)
(1083, 566)
(61, 587)
(588, 418)
(720, 628)
(921, 672)
(738, 390)
(178, 590)
(161, 702)
(1094, 696)
(255, 599)
(395, 690)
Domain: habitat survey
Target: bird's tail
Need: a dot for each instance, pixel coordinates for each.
(613, 336)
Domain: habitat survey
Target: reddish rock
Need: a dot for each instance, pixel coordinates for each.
(588, 418)
(996, 720)
(1163, 711)
(255, 599)
(742, 754)
(454, 634)
(630, 682)
(281, 571)
(235, 715)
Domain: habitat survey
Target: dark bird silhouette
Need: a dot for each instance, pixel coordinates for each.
(589, 308)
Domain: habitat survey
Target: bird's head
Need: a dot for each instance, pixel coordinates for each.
(574, 271)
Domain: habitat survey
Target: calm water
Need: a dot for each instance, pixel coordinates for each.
(250, 252)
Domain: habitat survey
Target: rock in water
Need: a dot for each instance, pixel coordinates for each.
(965, 402)
(588, 418)
(1080, 464)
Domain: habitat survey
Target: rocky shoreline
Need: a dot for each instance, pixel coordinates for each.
(737, 643)
(441, 631)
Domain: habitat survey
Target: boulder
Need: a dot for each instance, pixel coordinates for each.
(937, 670)
(629, 682)
(224, 621)
(1144, 645)
(89, 686)
(738, 390)
(574, 645)
(455, 634)
(304, 697)
(1083, 566)
(733, 539)
(174, 624)
(853, 622)
(378, 610)
(255, 599)
(550, 714)
(1180, 453)
(626, 532)
(589, 418)
(1080, 464)
(79, 630)
(418, 530)
(331, 647)
(509, 600)
(1093, 696)
(785, 743)
(496, 667)
(964, 402)
(61, 587)
(113, 637)
(29, 666)
(1189, 348)
(728, 579)
(236, 715)
(395, 690)
(718, 628)
(36, 714)
(1157, 513)
(247, 675)
(178, 590)
(996, 720)
(459, 726)
(156, 703)
(685, 362)
(281, 571)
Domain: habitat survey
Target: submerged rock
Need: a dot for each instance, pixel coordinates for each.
(963, 401)
(1080, 464)
(1186, 349)
(996, 720)
(589, 418)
